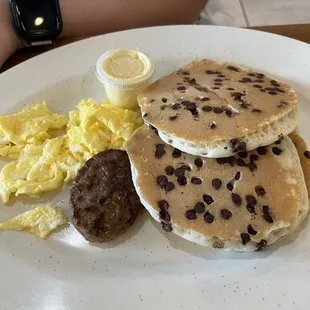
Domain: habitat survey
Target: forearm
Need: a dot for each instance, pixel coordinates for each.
(8, 39)
(91, 17)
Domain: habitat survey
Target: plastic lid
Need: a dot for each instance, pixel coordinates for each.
(125, 68)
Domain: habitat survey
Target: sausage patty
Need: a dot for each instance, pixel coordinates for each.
(103, 198)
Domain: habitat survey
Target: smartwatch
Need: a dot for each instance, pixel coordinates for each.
(37, 22)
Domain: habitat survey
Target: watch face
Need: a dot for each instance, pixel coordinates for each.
(37, 17)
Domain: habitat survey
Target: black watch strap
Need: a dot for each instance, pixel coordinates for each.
(37, 22)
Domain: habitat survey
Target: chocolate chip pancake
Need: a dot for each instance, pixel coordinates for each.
(216, 110)
(243, 202)
(103, 198)
(304, 155)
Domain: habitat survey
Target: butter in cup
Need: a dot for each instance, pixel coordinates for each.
(124, 73)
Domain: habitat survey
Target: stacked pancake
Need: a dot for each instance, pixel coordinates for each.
(214, 163)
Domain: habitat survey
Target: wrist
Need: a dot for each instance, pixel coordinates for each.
(7, 32)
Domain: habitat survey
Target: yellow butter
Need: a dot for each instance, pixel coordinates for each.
(124, 73)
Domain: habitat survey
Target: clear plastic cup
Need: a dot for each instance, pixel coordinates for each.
(124, 73)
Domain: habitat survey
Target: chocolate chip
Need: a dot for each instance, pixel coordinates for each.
(245, 238)
(164, 100)
(163, 205)
(252, 166)
(243, 154)
(185, 73)
(251, 203)
(191, 215)
(237, 146)
(232, 68)
(176, 106)
(145, 114)
(240, 162)
(262, 90)
(244, 105)
(189, 105)
(181, 88)
(221, 75)
(164, 216)
(207, 108)
(250, 208)
(254, 157)
(251, 230)
(257, 111)
(267, 217)
(218, 80)
(230, 160)
(176, 153)
(162, 181)
(169, 170)
(218, 110)
(237, 95)
(153, 100)
(229, 112)
(196, 181)
(215, 87)
(230, 186)
(261, 245)
(251, 74)
(205, 99)
(257, 86)
(236, 199)
(198, 162)
(212, 125)
(238, 175)
(169, 186)
(186, 167)
(182, 180)
(179, 172)
(260, 75)
(230, 88)
(160, 151)
(172, 118)
(208, 217)
(307, 154)
(272, 93)
(260, 191)
(221, 161)
(276, 150)
(207, 199)
(166, 227)
(251, 199)
(262, 150)
(216, 183)
(259, 81)
(247, 80)
(200, 207)
(210, 72)
(226, 214)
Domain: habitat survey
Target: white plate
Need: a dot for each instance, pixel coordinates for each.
(146, 268)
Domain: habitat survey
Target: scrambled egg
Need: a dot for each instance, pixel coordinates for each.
(33, 125)
(40, 168)
(95, 128)
(40, 221)
(44, 163)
